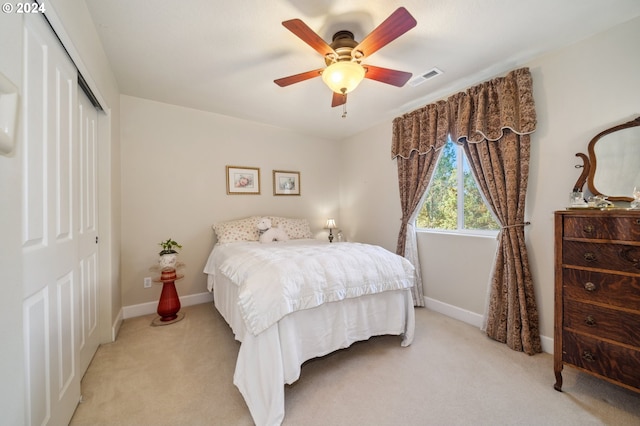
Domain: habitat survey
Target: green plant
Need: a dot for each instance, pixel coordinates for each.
(169, 246)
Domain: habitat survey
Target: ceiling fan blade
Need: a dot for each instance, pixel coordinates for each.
(338, 99)
(398, 23)
(307, 35)
(385, 75)
(297, 78)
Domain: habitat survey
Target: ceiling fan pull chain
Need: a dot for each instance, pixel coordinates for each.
(344, 105)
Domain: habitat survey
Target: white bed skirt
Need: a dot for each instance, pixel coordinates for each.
(273, 358)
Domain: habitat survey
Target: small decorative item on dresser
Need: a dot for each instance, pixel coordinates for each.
(597, 295)
(635, 204)
(576, 199)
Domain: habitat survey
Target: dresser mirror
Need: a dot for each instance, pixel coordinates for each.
(614, 161)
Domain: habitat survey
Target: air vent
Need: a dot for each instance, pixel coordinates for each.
(433, 72)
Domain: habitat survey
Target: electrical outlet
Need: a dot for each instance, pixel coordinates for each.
(147, 282)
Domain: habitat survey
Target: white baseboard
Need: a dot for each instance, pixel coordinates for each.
(454, 312)
(151, 307)
(547, 344)
(115, 327)
(473, 318)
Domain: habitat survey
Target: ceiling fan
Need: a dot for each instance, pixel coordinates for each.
(344, 56)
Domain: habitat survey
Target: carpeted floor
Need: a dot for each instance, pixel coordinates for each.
(181, 374)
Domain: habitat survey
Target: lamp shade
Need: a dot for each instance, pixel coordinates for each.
(331, 224)
(343, 77)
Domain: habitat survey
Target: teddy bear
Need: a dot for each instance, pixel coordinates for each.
(269, 234)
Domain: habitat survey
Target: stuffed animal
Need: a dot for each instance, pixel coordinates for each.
(269, 234)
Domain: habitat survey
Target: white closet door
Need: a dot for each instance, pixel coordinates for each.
(50, 229)
(88, 230)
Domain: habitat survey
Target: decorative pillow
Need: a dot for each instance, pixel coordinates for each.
(237, 230)
(295, 228)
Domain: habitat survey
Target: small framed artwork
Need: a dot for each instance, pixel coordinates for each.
(243, 180)
(286, 183)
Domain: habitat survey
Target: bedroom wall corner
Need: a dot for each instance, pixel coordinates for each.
(369, 194)
(174, 185)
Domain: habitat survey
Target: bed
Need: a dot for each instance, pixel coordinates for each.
(290, 301)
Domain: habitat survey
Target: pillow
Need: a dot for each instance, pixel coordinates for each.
(237, 230)
(295, 228)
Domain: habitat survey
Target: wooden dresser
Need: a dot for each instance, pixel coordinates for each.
(597, 295)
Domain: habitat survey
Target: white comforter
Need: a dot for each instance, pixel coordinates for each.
(272, 358)
(279, 278)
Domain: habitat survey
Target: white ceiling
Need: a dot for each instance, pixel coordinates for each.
(222, 56)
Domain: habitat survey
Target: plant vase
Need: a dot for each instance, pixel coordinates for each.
(168, 259)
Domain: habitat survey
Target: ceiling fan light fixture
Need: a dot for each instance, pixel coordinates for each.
(344, 76)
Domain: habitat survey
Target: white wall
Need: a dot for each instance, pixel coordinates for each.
(174, 185)
(12, 385)
(579, 91)
(463, 286)
(369, 192)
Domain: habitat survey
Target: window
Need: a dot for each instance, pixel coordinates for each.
(453, 201)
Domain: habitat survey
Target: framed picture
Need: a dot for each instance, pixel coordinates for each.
(286, 183)
(243, 180)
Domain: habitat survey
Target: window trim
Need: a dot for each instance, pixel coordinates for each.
(460, 182)
(483, 233)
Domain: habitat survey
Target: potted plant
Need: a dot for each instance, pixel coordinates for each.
(169, 254)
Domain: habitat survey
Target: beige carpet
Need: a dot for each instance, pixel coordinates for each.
(181, 374)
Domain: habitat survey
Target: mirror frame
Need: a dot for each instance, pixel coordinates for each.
(593, 161)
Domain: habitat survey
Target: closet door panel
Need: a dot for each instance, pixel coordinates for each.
(50, 238)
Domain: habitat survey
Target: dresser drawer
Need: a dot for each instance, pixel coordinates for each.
(615, 257)
(623, 228)
(607, 323)
(606, 359)
(610, 289)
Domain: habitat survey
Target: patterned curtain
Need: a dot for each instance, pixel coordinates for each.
(418, 138)
(493, 122)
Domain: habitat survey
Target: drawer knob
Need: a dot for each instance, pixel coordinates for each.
(588, 356)
(589, 286)
(590, 321)
(588, 229)
(589, 256)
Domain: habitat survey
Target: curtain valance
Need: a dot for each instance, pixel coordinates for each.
(483, 112)
(480, 113)
(421, 130)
